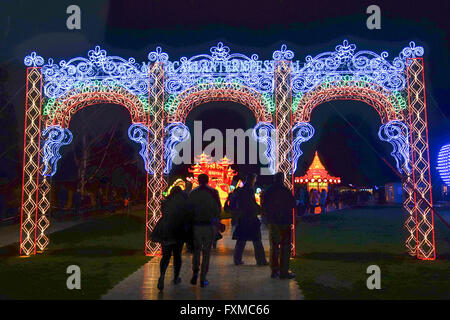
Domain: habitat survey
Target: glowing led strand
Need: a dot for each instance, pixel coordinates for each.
(30, 187)
(371, 93)
(396, 133)
(264, 132)
(361, 65)
(302, 131)
(420, 163)
(156, 183)
(444, 164)
(139, 133)
(199, 94)
(56, 137)
(175, 133)
(268, 87)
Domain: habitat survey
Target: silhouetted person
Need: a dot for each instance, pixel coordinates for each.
(313, 200)
(77, 201)
(205, 204)
(248, 226)
(62, 198)
(99, 197)
(278, 203)
(174, 218)
(323, 201)
(302, 201)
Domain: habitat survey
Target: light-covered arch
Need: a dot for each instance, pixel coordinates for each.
(60, 111)
(388, 105)
(180, 107)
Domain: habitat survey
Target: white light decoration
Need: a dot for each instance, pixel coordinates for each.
(280, 92)
(444, 164)
(396, 133)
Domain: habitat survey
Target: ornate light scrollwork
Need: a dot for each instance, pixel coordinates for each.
(176, 133)
(220, 65)
(264, 132)
(283, 54)
(61, 78)
(33, 60)
(362, 65)
(302, 131)
(139, 133)
(396, 133)
(56, 137)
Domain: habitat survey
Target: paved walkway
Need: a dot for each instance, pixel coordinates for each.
(226, 281)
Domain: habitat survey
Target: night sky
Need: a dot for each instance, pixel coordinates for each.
(346, 131)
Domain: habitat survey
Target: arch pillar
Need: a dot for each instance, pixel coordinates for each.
(30, 203)
(155, 182)
(418, 184)
(283, 125)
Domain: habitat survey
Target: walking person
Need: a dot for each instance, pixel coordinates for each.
(77, 201)
(248, 226)
(205, 204)
(313, 200)
(99, 197)
(323, 201)
(302, 201)
(173, 222)
(278, 203)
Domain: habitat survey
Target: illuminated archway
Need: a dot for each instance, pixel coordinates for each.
(60, 111)
(200, 94)
(389, 107)
(159, 93)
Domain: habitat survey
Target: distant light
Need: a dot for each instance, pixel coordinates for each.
(444, 164)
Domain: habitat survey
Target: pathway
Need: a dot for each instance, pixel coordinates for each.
(226, 281)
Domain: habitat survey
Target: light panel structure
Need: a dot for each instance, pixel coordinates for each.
(444, 164)
(281, 92)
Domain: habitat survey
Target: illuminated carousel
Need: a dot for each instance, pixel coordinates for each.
(317, 177)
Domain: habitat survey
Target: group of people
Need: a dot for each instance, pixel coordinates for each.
(307, 202)
(194, 218)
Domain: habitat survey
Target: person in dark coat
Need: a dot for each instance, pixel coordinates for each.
(175, 218)
(248, 226)
(77, 201)
(204, 203)
(278, 203)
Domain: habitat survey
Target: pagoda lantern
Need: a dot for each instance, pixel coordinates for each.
(317, 177)
(220, 174)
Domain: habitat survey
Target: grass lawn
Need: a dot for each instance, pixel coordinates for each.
(335, 249)
(106, 249)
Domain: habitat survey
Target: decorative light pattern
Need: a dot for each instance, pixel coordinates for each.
(362, 64)
(396, 133)
(218, 91)
(283, 119)
(220, 174)
(231, 67)
(60, 110)
(317, 177)
(140, 133)
(176, 132)
(155, 183)
(359, 90)
(420, 163)
(57, 137)
(263, 132)
(280, 92)
(444, 164)
(283, 54)
(30, 182)
(62, 77)
(302, 131)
